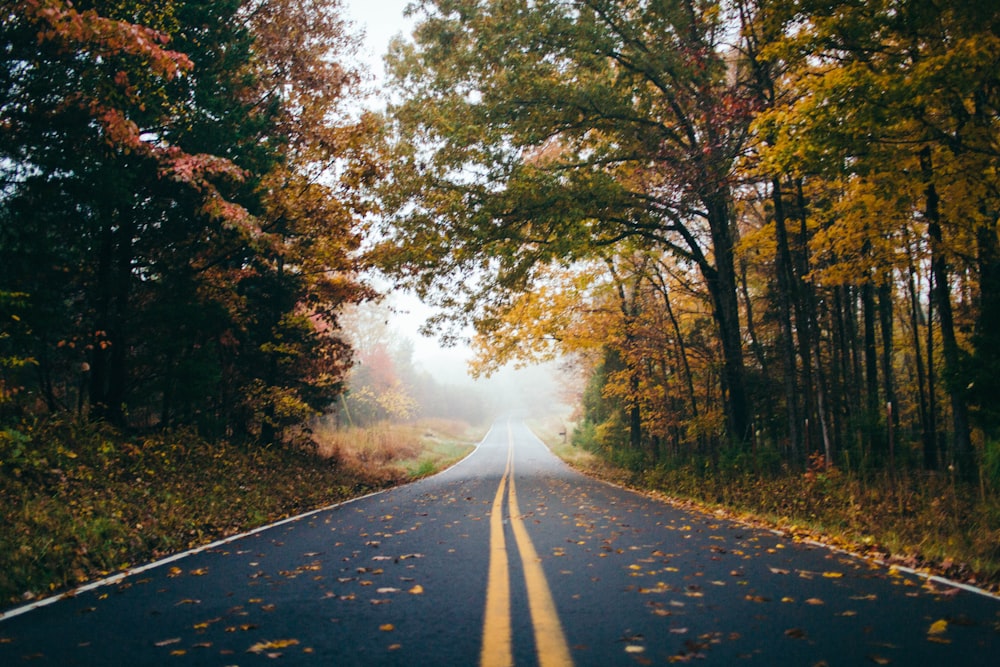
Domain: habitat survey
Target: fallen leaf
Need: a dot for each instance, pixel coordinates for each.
(387, 627)
(261, 647)
(200, 572)
(879, 660)
(833, 575)
(634, 649)
(814, 601)
(938, 627)
(416, 590)
(795, 633)
(387, 589)
(168, 642)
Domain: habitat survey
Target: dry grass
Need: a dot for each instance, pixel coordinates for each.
(396, 452)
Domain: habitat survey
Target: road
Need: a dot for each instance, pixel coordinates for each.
(510, 558)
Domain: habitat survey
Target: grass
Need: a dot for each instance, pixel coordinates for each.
(80, 501)
(926, 522)
(397, 452)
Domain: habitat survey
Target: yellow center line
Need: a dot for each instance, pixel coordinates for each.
(496, 651)
(550, 641)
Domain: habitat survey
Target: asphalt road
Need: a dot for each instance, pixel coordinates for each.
(510, 557)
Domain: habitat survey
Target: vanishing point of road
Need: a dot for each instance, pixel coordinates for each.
(510, 558)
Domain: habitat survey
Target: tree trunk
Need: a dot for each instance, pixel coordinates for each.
(786, 296)
(721, 282)
(963, 457)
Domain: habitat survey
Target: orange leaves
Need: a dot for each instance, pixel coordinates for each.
(269, 648)
(102, 36)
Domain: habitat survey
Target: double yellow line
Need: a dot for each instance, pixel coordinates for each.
(550, 641)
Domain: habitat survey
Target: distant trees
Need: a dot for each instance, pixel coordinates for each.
(175, 239)
(386, 385)
(763, 225)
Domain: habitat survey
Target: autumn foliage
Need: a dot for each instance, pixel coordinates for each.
(177, 219)
(761, 230)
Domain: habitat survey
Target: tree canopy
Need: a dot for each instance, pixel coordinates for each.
(784, 214)
(176, 216)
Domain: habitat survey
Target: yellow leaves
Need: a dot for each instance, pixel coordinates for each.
(387, 627)
(833, 575)
(936, 632)
(265, 646)
(416, 590)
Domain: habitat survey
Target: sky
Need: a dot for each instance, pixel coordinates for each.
(380, 21)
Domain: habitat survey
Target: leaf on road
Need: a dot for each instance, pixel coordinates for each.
(416, 590)
(815, 601)
(632, 648)
(200, 572)
(387, 627)
(936, 632)
(387, 589)
(168, 642)
(795, 633)
(261, 647)
(833, 575)
(879, 660)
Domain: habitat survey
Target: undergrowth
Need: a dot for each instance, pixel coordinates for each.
(79, 501)
(921, 520)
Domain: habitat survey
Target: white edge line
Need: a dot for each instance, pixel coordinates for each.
(115, 578)
(969, 588)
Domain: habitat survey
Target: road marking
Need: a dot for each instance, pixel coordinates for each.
(550, 640)
(496, 651)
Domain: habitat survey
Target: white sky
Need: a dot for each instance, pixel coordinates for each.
(381, 20)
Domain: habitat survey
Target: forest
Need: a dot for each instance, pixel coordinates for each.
(762, 234)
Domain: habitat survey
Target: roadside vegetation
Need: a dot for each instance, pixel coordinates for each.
(79, 501)
(928, 523)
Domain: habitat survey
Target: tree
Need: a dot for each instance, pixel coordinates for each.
(182, 221)
(548, 132)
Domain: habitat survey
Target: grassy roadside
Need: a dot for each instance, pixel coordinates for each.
(78, 501)
(922, 523)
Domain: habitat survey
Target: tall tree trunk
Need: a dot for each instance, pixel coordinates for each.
(870, 428)
(805, 305)
(963, 457)
(721, 282)
(888, 383)
(786, 296)
(927, 439)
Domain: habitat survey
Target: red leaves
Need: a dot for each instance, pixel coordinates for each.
(103, 36)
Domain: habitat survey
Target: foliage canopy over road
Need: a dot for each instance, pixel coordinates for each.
(767, 225)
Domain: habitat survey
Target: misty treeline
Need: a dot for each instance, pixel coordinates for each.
(178, 212)
(386, 384)
(757, 226)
